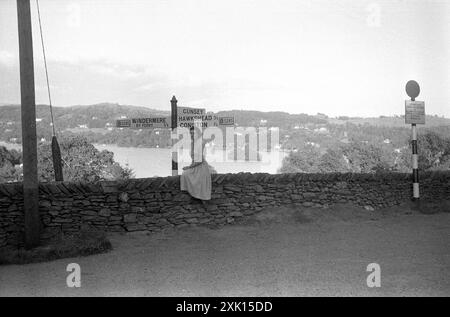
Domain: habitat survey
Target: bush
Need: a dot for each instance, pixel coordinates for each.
(81, 162)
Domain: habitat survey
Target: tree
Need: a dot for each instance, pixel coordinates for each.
(365, 157)
(434, 151)
(305, 160)
(81, 162)
(9, 161)
(332, 161)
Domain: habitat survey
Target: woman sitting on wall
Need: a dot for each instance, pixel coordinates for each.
(196, 178)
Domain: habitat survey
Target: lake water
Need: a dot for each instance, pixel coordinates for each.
(148, 162)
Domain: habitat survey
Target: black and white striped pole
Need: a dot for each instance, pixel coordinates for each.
(415, 165)
(414, 114)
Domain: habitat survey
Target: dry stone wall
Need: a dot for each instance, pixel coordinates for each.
(153, 204)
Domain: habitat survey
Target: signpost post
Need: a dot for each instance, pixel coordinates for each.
(414, 114)
(174, 122)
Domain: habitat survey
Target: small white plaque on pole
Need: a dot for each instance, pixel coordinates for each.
(414, 112)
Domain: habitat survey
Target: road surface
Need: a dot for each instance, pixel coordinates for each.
(290, 251)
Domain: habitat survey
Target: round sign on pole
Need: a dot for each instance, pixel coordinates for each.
(412, 89)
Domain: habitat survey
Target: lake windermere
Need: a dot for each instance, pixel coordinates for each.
(149, 162)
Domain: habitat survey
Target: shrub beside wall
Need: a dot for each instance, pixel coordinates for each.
(153, 204)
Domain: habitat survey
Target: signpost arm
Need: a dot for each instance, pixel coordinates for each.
(28, 113)
(174, 120)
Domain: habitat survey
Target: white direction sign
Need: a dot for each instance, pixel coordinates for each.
(144, 123)
(226, 120)
(187, 117)
(414, 112)
(190, 117)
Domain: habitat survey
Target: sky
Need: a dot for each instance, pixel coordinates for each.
(348, 57)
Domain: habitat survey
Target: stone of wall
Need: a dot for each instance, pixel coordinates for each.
(153, 204)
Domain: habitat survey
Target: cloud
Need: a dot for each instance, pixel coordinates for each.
(120, 71)
(147, 87)
(7, 58)
(197, 103)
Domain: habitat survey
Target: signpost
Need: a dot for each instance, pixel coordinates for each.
(205, 120)
(182, 117)
(414, 114)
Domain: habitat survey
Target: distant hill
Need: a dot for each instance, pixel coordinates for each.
(94, 116)
(97, 123)
(395, 121)
(84, 118)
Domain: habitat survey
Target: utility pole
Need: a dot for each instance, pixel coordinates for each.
(28, 114)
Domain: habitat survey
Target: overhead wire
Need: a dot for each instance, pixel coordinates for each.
(46, 68)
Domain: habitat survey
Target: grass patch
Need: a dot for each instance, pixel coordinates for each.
(82, 243)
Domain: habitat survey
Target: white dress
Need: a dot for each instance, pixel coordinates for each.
(196, 181)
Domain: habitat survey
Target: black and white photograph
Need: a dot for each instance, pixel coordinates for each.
(224, 155)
